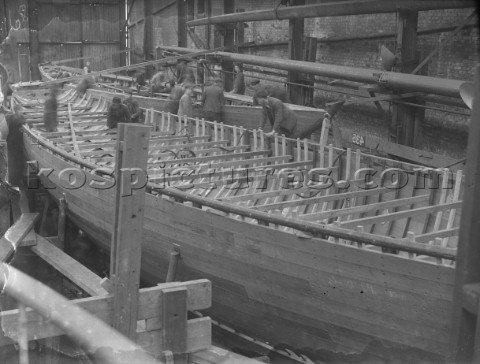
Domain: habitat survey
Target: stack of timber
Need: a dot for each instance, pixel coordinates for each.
(306, 245)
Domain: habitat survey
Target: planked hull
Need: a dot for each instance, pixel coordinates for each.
(277, 284)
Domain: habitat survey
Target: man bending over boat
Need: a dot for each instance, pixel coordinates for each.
(133, 108)
(282, 119)
(173, 100)
(117, 113)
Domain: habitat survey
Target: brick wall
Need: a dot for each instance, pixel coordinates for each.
(456, 58)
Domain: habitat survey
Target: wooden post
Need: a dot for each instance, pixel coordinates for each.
(4, 196)
(310, 55)
(148, 35)
(240, 34)
(228, 40)
(4, 26)
(173, 263)
(174, 318)
(22, 334)
(33, 35)
(296, 29)
(463, 334)
(130, 172)
(405, 119)
(181, 23)
(62, 222)
(122, 31)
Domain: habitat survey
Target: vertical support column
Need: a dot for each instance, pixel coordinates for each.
(4, 26)
(406, 122)
(4, 197)
(62, 221)
(464, 332)
(182, 23)
(130, 172)
(309, 55)
(33, 35)
(122, 31)
(174, 318)
(148, 35)
(240, 33)
(228, 40)
(296, 29)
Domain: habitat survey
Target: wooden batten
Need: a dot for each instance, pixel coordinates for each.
(13, 237)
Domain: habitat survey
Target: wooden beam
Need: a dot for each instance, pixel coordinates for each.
(425, 238)
(467, 270)
(309, 55)
(174, 318)
(76, 151)
(364, 208)
(148, 41)
(228, 41)
(150, 305)
(404, 117)
(322, 199)
(333, 8)
(33, 36)
(400, 215)
(253, 163)
(296, 29)
(122, 31)
(164, 7)
(13, 237)
(182, 23)
(132, 152)
(227, 174)
(69, 267)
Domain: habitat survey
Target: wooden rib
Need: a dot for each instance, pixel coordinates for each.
(325, 199)
(363, 208)
(227, 164)
(443, 198)
(401, 215)
(217, 157)
(224, 173)
(270, 193)
(162, 154)
(424, 238)
(76, 150)
(456, 196)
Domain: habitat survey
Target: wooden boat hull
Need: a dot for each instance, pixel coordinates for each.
(271, 280)
(307, 293)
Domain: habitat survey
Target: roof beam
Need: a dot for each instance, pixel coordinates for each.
(388, 80)
(338, 8)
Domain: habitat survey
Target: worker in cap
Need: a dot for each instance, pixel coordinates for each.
(117, 113)
(136, 113)
(239, 80)
(213, 100)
